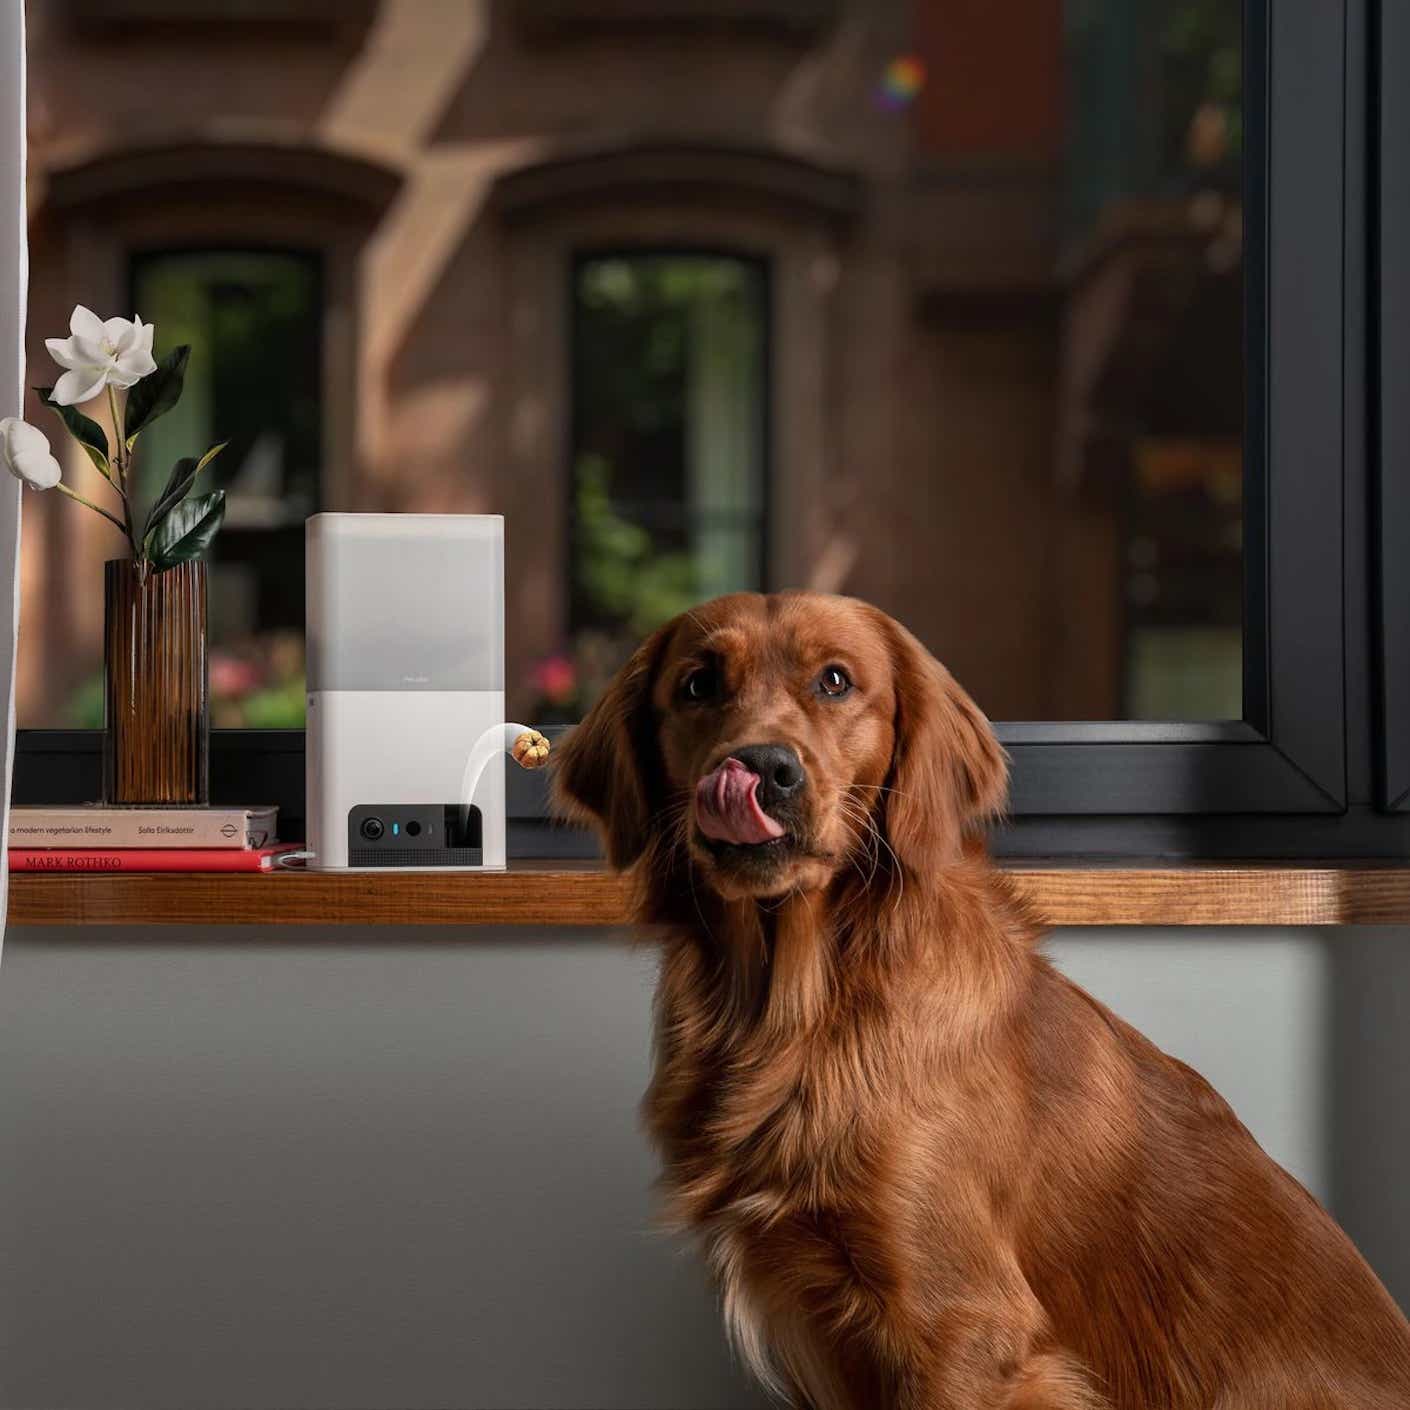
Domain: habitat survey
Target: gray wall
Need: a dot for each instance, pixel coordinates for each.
(365, 1170)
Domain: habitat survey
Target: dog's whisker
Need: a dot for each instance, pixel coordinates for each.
(857, 826)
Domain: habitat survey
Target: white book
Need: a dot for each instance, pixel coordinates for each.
(95, 825)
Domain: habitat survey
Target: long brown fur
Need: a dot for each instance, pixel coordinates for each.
(926, 1169)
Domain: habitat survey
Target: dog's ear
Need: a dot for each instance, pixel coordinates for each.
(608, 771)
(949, 774)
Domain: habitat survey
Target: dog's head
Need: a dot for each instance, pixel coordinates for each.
(779, 739)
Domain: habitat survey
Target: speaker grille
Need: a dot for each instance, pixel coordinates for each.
(415, 857)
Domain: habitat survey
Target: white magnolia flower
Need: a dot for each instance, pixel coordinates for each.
(26, 452)
(100, 354)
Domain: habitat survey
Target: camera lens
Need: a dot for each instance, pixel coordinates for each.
(372, 828)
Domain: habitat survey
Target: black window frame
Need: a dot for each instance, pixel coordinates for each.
(1313, 770)
(1390, 432)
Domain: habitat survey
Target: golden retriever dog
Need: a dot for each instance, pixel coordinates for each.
(926, 1169)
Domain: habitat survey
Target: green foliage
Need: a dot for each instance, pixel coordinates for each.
(156, 393)
(280, 706)
(187, 530)
(87, 704)
(1202, 64)
(622, 572)
(88, 433)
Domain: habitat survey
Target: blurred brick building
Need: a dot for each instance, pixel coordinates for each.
(698, 293)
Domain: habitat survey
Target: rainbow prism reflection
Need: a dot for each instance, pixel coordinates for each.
(901, 81)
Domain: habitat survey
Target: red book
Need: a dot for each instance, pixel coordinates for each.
(147, 858)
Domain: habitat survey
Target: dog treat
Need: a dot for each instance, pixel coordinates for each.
(530, 750)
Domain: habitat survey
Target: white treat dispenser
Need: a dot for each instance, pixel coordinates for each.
(405, 624)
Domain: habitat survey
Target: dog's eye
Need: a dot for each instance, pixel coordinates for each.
(834, 681)
(701, 684)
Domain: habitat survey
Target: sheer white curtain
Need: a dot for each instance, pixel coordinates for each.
(14, 277)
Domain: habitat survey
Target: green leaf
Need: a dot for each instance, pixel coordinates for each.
(178, 485)
(156, 393)
(88, 433)
(187, 530)
(182, 477)
(210, 455)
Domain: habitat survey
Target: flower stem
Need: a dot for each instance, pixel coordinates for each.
(122, 459)
(97, 509)
(117, 440)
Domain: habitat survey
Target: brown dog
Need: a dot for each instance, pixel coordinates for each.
(928, 1171)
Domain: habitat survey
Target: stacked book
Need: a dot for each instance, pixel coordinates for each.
(94, 837)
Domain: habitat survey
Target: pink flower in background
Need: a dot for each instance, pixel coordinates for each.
(233, 677)
(556, 679)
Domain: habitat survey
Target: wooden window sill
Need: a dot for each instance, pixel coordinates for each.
(567, 893)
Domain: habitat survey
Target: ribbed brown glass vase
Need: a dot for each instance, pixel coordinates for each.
(156, 744)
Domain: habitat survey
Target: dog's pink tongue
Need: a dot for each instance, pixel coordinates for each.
(727, 807)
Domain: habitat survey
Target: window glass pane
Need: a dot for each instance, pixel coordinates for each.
(668, 443)
(1152, 438)
(1072, 533)
(941, 306)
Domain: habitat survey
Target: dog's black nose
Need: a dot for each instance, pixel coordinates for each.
(780, 770)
